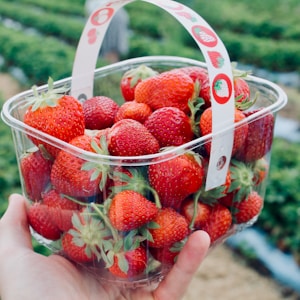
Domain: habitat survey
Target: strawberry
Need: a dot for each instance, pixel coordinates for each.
(130, 210)
(131, 138)
(73, 176)
(129, 263)
(170, 88)
(164, 255)
(241, 92)
(132, 77)
(40, 220)
(249, 208)
(241, 88)
(219, 222)
(35, 171)
(196, 213)
(55, 114)
(168, 255)
(99, 112)
(75, 252)
(176, 178)
(260, 171)
(61, 209)
(242, 181)
(84, 242)
(240, 133)
(200, 77)
(171, 227)
(133, 110)
(170, 126)
(259, 139)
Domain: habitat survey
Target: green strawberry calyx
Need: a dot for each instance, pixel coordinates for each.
(136, 182)
(46, 99)
(90, 233)
(99, 169)
(241, 180)
(140, 73)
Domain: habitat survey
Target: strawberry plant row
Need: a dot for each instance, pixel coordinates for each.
(53, 59)
(68, 29)
(66, 7)
(281, 214)
(263, 52)
(139, 46)
(240, 18)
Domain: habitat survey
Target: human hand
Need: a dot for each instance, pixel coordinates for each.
(25, 274)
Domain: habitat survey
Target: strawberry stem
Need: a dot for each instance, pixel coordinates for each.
(195, 212)
(105, 220)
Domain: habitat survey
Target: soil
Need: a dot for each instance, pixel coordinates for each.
(223, 274)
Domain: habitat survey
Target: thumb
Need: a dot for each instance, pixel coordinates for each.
(14, 229)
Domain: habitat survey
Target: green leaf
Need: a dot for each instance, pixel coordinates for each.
(123, 263)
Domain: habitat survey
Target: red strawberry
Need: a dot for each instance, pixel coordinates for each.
(199, 75)
(132, 77)
(40, 220)
(131, 138)
(177, 178)
(240, 133)
(196, 214)
(83, 243)
(219, 222)
(170, 126)
(167, 255)
(99, 112)
(133, 110)
(35, 171)
(75, 252)
(260, 171)
(130, 210)
(259, 138)
(55, 114)
(242, 181)
(73, 176)
(171, 227)
(248, 208)
(170, 88)
(130, 263)
(241, 92)
(61, 209)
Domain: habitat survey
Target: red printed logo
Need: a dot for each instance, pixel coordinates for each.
(222, 88)
(205, 36)
(92, 36)
(101, 16)
(187, 15)
(216, 59)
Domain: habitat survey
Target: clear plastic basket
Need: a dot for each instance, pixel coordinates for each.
(94, 208)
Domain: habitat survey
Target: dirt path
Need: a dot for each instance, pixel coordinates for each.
(225, 276)
(222, 275)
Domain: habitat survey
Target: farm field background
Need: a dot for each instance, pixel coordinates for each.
(39, 38)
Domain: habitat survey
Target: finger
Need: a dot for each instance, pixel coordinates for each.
(14, 228)
(177, 281)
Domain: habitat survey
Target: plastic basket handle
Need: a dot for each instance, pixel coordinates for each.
(218, 66)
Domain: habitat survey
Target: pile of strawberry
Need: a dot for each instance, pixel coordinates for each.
(128, 220)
